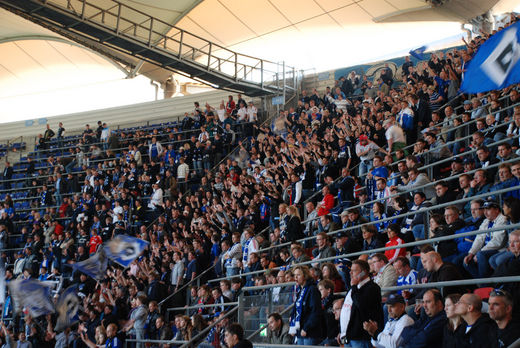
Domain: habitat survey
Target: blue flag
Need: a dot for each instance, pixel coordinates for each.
(418, 53)
(32, 294)
(68, 306)
(95, 266)
(124, 249)
(495, 65)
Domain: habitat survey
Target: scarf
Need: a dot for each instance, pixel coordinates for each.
(245, 250)
(294, 324)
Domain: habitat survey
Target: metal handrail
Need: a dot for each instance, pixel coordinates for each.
(465, 125)
(155, 39)
(206, 330)
(510, 279)
(432, 183)
(405, 245)
(262, 327)
(203, 306)
(197, 278)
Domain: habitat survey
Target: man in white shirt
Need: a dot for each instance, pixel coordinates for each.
(157, 197)
(487, 244)
(394, 135)
(390, 337)
(251, 112)
(183, 173)
(366, 151)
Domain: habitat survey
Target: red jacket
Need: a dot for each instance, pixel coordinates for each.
(326, 205)
(394, 253)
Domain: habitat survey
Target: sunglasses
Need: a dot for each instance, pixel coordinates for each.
(498, 292)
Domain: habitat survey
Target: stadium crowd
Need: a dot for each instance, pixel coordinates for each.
(343, 160)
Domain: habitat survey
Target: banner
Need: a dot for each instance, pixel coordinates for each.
(495, 65)
(68, 306)
(95, 266)
(31, 294)
(124, 249)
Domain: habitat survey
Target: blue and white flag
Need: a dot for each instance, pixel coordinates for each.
(32, 294)
(495, 65)
(418, 53)
(124, 249)
(68, 306)
(95, 266)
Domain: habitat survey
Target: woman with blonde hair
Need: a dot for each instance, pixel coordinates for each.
(307, 315)
(100, 336)
(294, 228)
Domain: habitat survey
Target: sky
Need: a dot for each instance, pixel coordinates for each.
(82, 87)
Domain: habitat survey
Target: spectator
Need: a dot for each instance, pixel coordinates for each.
(277, 330)
(391, 334)
(234, 336)
(393, 240)
(307, 314)
(362, 304)
(324, 250)
(487, 244)
(406, 276)
(428, 330)
(478, 325)
(454, 326)
(501, 311)
(511, 267)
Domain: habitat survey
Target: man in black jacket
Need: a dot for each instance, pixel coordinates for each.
(479, 327)
(511, 267)
(362, 303)
(501, 311)
(428, 330)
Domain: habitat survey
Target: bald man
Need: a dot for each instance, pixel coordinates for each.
(478, 325)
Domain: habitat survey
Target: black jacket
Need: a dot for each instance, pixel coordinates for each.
(294, 229)
(312, 314)
(425, 333)
(509, 268)
(366, 305)
(479, 335)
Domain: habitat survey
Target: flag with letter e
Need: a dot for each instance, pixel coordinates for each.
(496, 63)
(124, 249)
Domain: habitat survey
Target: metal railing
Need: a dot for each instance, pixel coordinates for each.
(405, 245)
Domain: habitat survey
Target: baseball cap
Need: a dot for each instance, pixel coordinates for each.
(467, 102)
(458, 159)
(341, 234)
(491, 204)
(394, 298)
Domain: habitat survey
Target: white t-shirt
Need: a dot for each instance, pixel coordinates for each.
(396, 134)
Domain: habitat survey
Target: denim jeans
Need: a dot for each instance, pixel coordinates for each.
(480, 269)
(364, 167)
(307, 341)
(360, 344)
(499, 258)
(418, 232)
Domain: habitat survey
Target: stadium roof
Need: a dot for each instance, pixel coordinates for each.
(300, 32)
